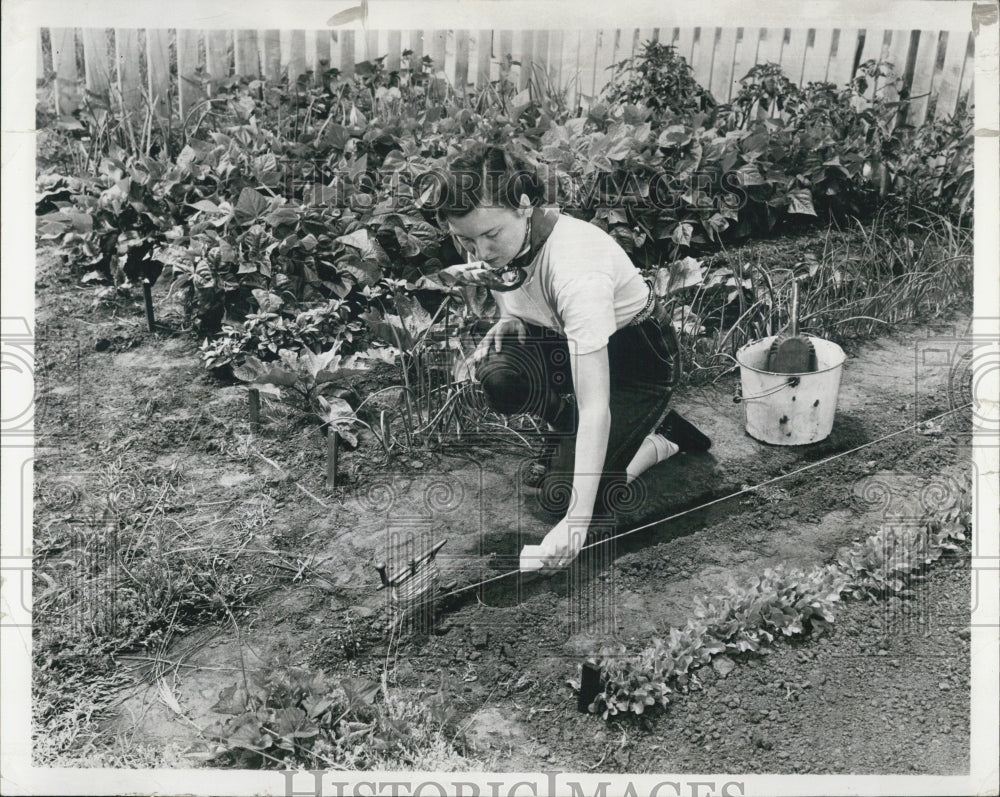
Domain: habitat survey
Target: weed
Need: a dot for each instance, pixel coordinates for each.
(288, 716)
(119, 573)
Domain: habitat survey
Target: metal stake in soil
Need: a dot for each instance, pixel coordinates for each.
(147, 293)
(590, 685)
(254, 407)
(332, 453)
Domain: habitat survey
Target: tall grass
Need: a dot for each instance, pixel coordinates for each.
(867, 279)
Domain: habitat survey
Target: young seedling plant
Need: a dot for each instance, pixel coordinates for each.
(304, 376)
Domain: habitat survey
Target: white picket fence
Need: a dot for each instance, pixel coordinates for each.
(936, 66)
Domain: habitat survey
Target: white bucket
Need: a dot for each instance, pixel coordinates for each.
(789, 409)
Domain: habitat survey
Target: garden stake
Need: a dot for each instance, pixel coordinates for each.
(590, 685)
(332, 440)
(147, 293)
(254, 407)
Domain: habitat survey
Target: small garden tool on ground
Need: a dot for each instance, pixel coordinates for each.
(792, 353)
(414, 588)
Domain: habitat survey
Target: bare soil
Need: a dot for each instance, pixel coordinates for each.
(888, 691)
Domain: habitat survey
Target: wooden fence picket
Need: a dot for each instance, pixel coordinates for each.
(683, 41)
(189, 77)
(461, 62)
(270, 55)
(816, 60)
(501, 45)
(644, 35)
(744, 58)
(247, 53)
(67, 94)
(793, 54)
(702, 51)
(587, 64)
(95, 61)
(392, 62)
(296, 62)
(347, 59)
(484, 58)
(417, 48)
(841, 68)
(923, 77)
(873, 50)
(722, 67)
(541, 50)
(218, 54)
(40, 65)
(770, 44)
(604, 59)
(438, 49)
(127, 68)
(968, 70)
(158, 71)
(951, 73)
(629, 44)
(525, 54)
(558, 41)
(577, 63)
(570, 76)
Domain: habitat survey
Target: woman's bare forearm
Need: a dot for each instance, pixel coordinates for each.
(591, 451)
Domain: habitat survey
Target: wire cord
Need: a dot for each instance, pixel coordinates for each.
(728, 497)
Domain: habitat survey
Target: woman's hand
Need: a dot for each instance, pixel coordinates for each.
(494, 337)
(562, 544)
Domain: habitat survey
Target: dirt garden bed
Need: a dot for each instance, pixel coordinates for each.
(251, 564)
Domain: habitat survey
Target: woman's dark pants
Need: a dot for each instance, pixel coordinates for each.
(534, 376)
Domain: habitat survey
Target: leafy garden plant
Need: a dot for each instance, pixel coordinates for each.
(782, 602)
(305, 376)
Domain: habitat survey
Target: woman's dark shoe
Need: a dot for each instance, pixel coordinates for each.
(685, 434)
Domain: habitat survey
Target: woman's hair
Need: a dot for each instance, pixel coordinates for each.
(485, 175)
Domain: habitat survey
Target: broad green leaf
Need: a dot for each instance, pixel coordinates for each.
(674, 136)
(250, 205)
(682, 234)
(800, 201)
(687, 322)
(394, 161)
(267, 389)
(365, 242)
(317, 363)
(677, 276)
(389, 328)
(749, 175)
(246, 733)
(359, 691)
(415, 318)
(335, 409)
(364, 272)
(251, 369)
(283, 215)
(232, 700)
(267, 301)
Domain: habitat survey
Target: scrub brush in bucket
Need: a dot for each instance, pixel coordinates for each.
(792, 353)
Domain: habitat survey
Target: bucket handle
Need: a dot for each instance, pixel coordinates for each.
(792, 381)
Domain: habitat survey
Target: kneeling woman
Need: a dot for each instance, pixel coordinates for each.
(581, 342)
